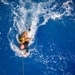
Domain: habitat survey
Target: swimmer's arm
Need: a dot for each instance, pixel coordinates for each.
(19, 42)
(27, 39)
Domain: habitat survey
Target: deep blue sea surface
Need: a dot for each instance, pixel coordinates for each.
(52, 50)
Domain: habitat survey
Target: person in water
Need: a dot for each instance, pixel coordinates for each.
(24, 41)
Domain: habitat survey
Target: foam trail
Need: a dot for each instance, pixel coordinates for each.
(54, 59)
(27, 14)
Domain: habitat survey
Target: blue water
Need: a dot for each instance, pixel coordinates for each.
(53, 50)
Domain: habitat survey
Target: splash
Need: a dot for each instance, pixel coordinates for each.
(27, 13)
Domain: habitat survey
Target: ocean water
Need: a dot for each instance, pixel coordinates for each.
(52, 48)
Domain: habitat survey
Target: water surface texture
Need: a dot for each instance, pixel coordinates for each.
(52, 50)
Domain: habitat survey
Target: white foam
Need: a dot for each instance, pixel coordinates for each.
(67, 7)
(22, 21)
(5, 2)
